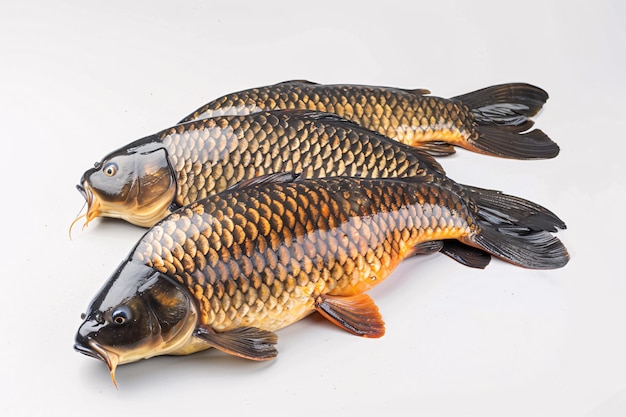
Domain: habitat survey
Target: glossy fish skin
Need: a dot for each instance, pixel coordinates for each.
(142, 181)
(253, 259)
(490, 121)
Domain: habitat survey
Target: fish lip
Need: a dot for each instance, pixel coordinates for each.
(91, 348)
(88, 346)
(81, 190)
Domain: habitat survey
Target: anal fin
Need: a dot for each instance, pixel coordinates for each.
(426, 248)
(437, 149)
(357, 314)
(465, 254)
(245, 342)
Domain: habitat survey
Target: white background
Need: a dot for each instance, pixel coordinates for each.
(80, 78)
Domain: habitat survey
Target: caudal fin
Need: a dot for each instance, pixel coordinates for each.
(502, 210)
(535, 250)
(501, 113)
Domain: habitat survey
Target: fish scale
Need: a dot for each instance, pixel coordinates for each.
(256, 258)
(207, 161)
(488, 121)
(408, 117)
(228, 270)
(153, 176)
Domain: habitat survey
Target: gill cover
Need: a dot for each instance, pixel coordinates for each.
(136, 184)
(139, 313)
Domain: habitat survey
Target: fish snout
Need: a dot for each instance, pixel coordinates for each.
(86, 345)
(83, 183)
(81, 190)
(84, 342)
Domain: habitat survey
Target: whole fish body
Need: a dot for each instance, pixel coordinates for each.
(145, 180)
(179, 165)
(492, 121)
(229, 270)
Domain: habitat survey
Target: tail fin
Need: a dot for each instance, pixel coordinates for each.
(501, 209)
(499, 141)
(536, 250)
(502, 113)
(510, 105)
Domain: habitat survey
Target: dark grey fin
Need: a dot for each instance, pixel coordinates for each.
(426, 248)
(463, 254)
(245, 342)
(275, 178)
(466, 255)
(505, 104)
(357, 314)
(317, 115)
(535, 250)
(298, 82)
(495, 141)
(417, 91)
(498, 208)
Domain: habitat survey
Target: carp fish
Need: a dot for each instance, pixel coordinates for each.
(146, 180)
(493, 121)
(229, 270)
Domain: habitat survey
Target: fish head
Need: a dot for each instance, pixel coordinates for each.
(136, 184)
(139, 313)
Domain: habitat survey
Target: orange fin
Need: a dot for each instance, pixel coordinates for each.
(357, 314)
(245, 342)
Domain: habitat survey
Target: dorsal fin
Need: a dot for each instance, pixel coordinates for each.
(276, 178)
(324, 116)
(417, 91)
(298, 81)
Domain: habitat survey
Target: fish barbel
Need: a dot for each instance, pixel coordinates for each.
(493, 121)
(229, 270)
(145, 180)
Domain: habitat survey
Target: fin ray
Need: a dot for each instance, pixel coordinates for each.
(534, 250)
(245, 342)
(498, 208)
(466, 255)
(496, 141)
(357, 314)
(505, 103)
(275, 178)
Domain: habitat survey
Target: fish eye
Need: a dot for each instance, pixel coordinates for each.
(120, 315)
(110, 169)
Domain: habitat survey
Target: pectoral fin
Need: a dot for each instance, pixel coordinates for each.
(357, 314)
(246, 342)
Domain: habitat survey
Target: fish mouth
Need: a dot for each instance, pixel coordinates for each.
(91, 348)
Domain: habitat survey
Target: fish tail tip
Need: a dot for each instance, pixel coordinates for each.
(535, 250)
(505, 143)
